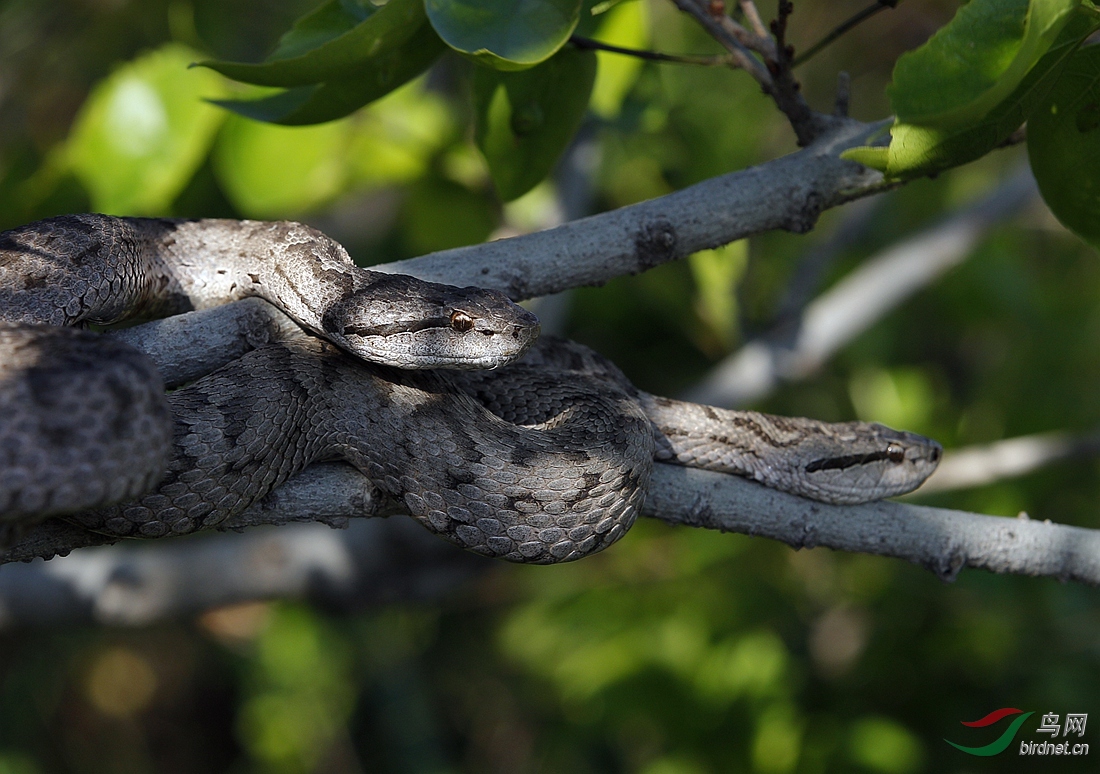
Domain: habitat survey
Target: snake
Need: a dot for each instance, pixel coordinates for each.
(528, 449)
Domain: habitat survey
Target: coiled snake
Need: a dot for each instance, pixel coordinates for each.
(543, 458)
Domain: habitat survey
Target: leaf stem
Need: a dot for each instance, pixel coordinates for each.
(843, 27)
(652, 56)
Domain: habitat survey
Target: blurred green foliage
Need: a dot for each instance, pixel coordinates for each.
(679, 651)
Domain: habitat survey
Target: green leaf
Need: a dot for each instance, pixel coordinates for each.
(716, 274)
(143, 132)
(1063, 144)
(341, 40)
(441, 214)
(875, 157)
(976, 61)
(626, 25)
(337, 98)
(322, 25)
(917, 150)
(526, 119)
(396, 139)
(273, 171)
(505, 34)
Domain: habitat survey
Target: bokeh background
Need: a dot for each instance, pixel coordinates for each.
(679, 651)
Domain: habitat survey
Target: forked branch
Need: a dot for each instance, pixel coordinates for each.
(773, 69)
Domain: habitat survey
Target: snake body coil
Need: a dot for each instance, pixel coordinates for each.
(542, 460)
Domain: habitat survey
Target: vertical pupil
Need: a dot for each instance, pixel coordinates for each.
(895, 453)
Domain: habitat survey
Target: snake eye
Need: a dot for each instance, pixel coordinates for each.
(461, 321)
(895, 453)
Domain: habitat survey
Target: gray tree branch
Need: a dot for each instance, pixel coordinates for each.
(788, 193)
(973, 466)
(373, 561)
(138, 583)
(856, 302)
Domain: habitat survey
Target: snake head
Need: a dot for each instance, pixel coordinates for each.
(868, 461)
(404, 322)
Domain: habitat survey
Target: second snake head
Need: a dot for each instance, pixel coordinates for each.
(404, 322)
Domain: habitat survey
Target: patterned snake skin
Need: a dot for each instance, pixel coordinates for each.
(545, 458)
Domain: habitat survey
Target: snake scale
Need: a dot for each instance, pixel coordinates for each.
(528, 451)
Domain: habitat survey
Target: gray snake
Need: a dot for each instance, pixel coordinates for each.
(528, 451)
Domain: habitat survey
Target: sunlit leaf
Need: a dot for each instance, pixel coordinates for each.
(778, 741)
(917, 150)
(977, 60)
(716, 273)
(273, 171)
(395, 139)
(626, 25)
(143, 132)
(526, 119)
(1063, 143)
(505, 34)
(300, 693)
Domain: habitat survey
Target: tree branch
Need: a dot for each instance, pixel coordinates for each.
(1009, 458)
(850, 307)
(372, 562)
(752, 16)
(329, 493)
(140, 582)
(774, 75)
(788, 193)
(733, 37)
(943, 541)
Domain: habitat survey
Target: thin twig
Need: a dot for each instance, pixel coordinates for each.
(760, 42)
(748, 7)
(653, 56)
(742, 55)
(773, 74)
(843, 27)
(779, 30)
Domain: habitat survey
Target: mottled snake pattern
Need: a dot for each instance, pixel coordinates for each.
(524, 449)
